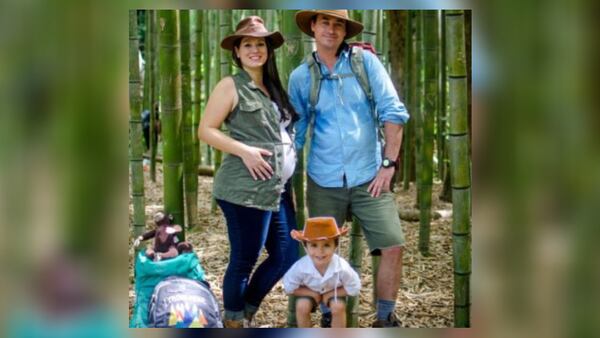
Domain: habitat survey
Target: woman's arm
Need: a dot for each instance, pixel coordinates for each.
(220, 103)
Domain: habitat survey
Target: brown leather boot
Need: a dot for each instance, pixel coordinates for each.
(233, 324)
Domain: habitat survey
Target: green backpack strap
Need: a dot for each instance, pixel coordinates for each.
(315, 81)
(357, 64)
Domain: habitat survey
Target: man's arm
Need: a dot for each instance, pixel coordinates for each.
(297, 100)
(393, 141)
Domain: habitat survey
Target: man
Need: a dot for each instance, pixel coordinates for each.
(346, 171)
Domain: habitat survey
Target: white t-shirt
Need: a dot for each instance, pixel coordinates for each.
(339, 273)
(289, 153)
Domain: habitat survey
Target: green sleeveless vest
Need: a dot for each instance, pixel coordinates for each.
(255, 122)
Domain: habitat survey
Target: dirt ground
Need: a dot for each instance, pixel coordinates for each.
(425, 299)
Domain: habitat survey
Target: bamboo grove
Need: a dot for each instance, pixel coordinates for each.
(426, 53)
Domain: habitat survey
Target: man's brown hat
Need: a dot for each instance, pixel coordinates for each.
(252, 26)
(303, 19)
(319, 228)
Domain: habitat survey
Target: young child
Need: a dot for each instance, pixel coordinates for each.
(322, 276)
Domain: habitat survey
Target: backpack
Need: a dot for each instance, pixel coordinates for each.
(179, 302)
(357, 65)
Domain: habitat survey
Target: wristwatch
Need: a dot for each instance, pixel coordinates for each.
(387, 163)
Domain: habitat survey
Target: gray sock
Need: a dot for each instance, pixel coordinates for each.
(384, 308)
(233, 315)
(324, 308)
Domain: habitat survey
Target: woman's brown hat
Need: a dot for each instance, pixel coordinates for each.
(252, 26)
(303, 19)
(319, 228)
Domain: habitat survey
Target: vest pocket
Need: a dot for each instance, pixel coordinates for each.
(252, 113)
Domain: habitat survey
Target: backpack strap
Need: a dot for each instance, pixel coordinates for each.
(357, 64)
(315, 81)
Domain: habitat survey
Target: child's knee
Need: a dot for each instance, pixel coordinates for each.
(337, 307)
(303, 306)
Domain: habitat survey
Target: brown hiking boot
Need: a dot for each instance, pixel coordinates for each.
(392, 321)
(233, 324)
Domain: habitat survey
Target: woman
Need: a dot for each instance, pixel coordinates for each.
(252, 185)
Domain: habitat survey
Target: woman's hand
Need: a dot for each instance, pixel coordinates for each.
(254, 161)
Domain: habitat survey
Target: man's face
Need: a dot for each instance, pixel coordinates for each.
(329, 31)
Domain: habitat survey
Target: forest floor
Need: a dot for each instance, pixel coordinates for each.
(425, 299)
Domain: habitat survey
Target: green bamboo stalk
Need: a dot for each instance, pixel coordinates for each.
(460, 164)
(369, 33)
(407, 159)
(397, 60)
(171, 107)
(419, 99)
(355, 259)
(431, 45)
(148, 72)
(189, 133)
(224, 69)
(446, 193)
(136, 146)
(147, 64)
(292, 54)
(197, 80)
(441, 112)
(206, 45)
(155, 96)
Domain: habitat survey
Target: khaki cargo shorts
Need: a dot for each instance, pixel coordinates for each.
(378, 217)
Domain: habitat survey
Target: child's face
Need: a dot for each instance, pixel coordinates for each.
(321, 251)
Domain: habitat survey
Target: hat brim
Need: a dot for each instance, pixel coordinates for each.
(275, 37)
(303, 19)
(297, 235)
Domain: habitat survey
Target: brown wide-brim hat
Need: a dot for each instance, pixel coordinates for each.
(303, 19)
(252, 26)
(319, 228)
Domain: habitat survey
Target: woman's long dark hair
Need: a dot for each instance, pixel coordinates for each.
(272, 82)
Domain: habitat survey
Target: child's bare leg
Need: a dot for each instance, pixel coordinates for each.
(338, 313)
(303, 309)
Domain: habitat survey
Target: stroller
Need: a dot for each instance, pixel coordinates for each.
(173, 293)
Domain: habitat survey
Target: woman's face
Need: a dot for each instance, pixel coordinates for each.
(252, 52)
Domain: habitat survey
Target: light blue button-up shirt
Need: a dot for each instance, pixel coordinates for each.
(344, 139)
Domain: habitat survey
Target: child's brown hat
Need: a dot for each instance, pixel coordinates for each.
(319, 228)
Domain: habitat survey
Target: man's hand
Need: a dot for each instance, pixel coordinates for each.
(382, 181)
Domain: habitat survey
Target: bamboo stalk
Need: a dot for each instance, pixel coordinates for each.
(136, 146)
(197, 80)
(190, 169)
(431, 45)
(407, 149)
(460, 164)
(171, 107)
(292, 54)
(155, 97)
(355, 259)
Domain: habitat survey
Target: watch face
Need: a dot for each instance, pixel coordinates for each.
(386, 163)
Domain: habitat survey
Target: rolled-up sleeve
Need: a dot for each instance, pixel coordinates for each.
(297, 100)
(291, 280)
(351, 281)
(389, 107)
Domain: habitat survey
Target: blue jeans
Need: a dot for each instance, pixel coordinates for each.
(249, 230)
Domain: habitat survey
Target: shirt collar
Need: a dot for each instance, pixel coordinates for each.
(343, 54)
(334, 266)
(246, 77)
